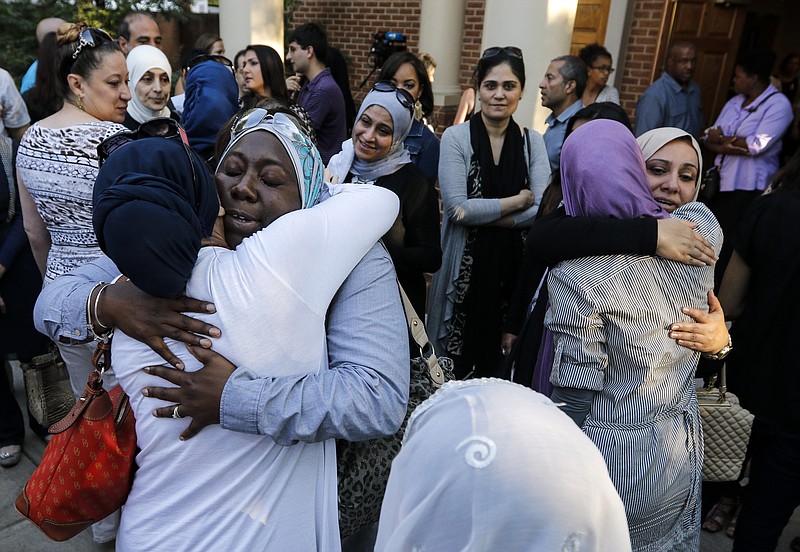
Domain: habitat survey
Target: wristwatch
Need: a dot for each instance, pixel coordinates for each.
(722, 352)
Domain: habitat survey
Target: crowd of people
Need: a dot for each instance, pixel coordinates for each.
(243, 234)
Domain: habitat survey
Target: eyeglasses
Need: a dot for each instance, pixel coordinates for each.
(403, 96)
(87, 39)
(512, 51)
(603, 68)
(197, 60)
(160, 127)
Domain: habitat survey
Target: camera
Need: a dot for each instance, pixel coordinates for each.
(384, 44)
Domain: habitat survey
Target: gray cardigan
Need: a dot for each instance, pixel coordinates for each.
(461, 213)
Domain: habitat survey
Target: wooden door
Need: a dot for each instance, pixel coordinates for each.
(715, 31)
(591, 20)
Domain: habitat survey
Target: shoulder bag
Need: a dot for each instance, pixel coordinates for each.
(363, 466)
(87, 469)
(726, 431)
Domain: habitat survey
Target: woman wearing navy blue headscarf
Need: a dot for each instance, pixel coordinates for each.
(212, 98)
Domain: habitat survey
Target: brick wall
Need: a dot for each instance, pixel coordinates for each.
(473, 34)
(640, 51)
(350, 25)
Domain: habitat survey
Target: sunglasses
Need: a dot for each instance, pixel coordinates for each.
(197, 60)
(256, 116)
(603, 68)
(403, 96)
(512, 51)
(87, 39)
(160, 127)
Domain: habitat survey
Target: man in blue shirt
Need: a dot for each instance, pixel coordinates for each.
(562, 88)
(674, 99)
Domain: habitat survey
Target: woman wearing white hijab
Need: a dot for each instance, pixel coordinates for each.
(149, 72)
(490, 465)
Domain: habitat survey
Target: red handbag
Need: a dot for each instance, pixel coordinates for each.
(87, 469)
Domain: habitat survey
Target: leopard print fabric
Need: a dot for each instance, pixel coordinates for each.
(363, 466)
(58, 166)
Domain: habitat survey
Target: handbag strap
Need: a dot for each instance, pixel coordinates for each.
(420, 336)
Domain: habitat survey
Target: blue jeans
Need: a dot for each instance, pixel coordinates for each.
(773, 492)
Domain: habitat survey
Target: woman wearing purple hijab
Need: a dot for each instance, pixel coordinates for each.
(625, 381)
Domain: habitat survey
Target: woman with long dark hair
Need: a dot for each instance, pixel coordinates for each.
(263, 77)
(57, 162)
(492, 176)
(406, 71)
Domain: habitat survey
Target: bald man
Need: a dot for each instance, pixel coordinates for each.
(136, 29)
(43, 28)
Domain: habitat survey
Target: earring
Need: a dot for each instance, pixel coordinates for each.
(79, 103)
(418, 111)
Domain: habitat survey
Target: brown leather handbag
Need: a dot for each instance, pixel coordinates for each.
(87, 469)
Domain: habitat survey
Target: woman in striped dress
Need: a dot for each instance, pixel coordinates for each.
(625, 381)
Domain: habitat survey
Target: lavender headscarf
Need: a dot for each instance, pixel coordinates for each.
(603, 174)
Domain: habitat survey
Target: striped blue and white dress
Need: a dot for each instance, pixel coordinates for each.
(610, 317)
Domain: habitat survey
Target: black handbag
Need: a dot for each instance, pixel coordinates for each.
(363, 466)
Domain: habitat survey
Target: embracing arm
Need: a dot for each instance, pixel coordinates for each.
(364, 392)
(60, 310)
(557, 237)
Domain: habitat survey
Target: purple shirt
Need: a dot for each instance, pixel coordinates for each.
(322, 99)
(763, 129)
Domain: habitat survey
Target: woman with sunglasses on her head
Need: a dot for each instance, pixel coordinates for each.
(150, 85)
(406, 71)
(56, 170)
(57, 163)
(598, 63)
(492, 178)
(236, 490)
(375, 154)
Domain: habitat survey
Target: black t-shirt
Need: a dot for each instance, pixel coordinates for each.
(764, 369)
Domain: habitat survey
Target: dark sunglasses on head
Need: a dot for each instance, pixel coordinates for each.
(87, 39)
(403, 96)
(258, 115)
(197, 60)
(160, 127)
(512, 51)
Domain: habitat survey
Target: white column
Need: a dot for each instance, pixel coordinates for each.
(440, 34)
(243, 22)
(543, 29)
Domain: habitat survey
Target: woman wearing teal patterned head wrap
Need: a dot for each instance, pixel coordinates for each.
(271, 292)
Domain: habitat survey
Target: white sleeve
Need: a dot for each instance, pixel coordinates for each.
(313, 250)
